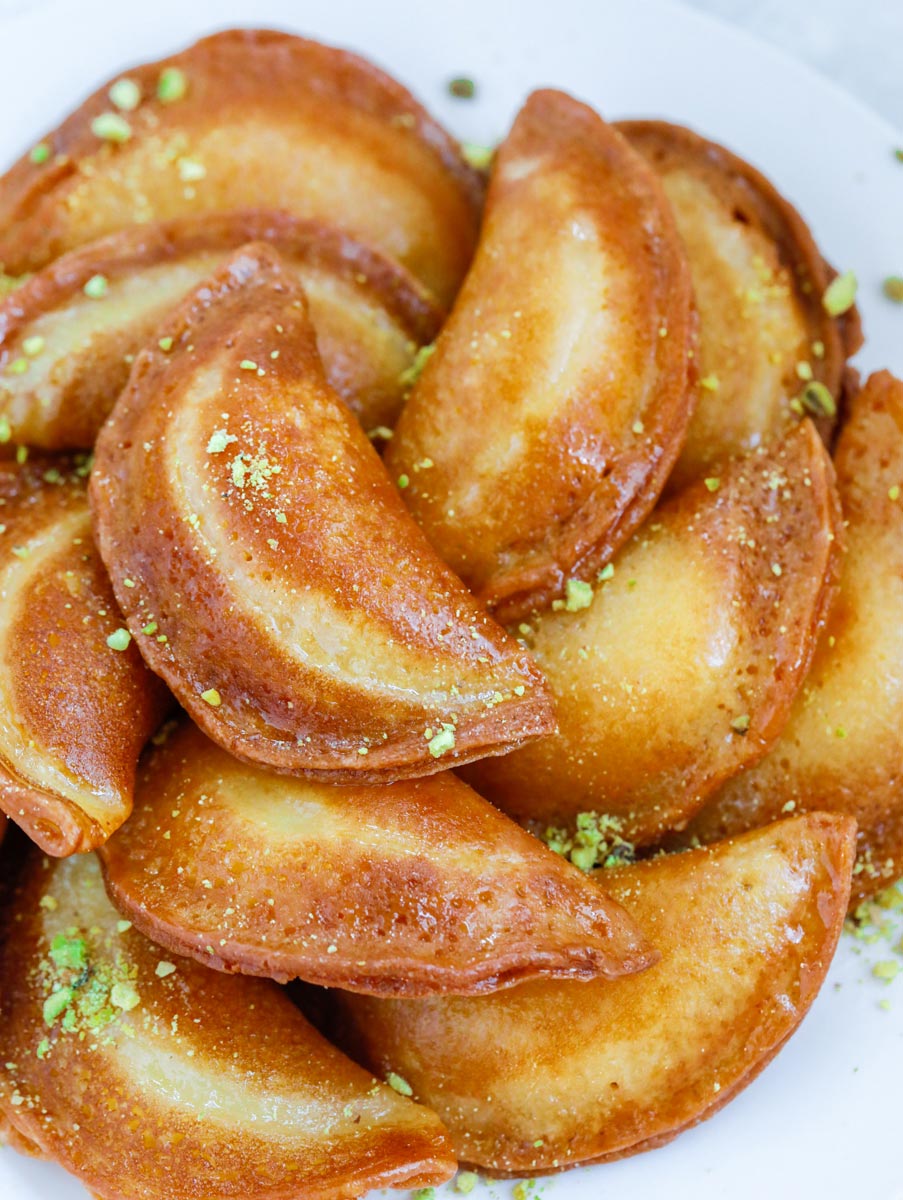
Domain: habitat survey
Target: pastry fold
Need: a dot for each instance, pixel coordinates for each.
(414, 888)
(77, 703)
(205, 1085)
(65, 356)
(268, 568)
(550, 1075)
(251, 119)
(842, 748)
(545, 424)
(759, 281)
(681, 667)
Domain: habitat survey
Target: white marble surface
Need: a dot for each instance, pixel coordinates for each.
(858, 44)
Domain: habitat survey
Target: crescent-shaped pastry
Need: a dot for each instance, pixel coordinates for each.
(545, 424)
(759, 281)
(250, 119)
(683, 664)
(268, 568)
(411, 889)
(549, 1075)
(65, 355)
(206, 1085)
(842, 748)
(77, 704)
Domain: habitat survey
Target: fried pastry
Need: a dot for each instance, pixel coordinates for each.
(548, 1075)
(65, 355)
(204, 1084)
(251, 119)
(77, 704)
(683, 664)
(268, 568)
(545, 424)
(414, 888)
(842, 748)
(759, 281)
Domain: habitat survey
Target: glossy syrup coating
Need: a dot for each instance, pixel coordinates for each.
(280, 585)
(758, 279)
(66, 355)
(264, 120)
(545, 424)
(75, 713)
(148, 1077)
(842, 748)
(550, 1075)
(682, 666)
(414, 888)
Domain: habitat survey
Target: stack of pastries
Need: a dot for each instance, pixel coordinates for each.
(471, 598)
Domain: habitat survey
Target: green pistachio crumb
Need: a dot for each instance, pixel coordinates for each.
(123, 926)
(111, 127)
(96, 287)
(893, 288)
(403, 481)
(119, 639)
(898, 154)
(888, 970)
(124, 995)
(56, 1004)
(164, 969)
(397, 1084)
(804, 371)
(465, 1182)
(607, 572)
(477, 156)
(248, 364)
(578, 595)
(43, 1048)
(817, 399)
(18, 366)
(69, 953)
(212, 697)
(172, 85)
(150, 627)
(840, 294)
(39, 153)
(219, 440)
(893, 492)
(713, 483)
(165, 344)
(740, 724)
(711, 383)
(521, 1191)
(427, 1193)
(5, 431)
(33, 346)
(462, 88)
(412, 373)
(125, 94)
(442, 742)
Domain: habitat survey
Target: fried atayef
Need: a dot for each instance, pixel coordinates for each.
(549, 1075)
(276, 580)
(683, 665)
(842, 748)
(546, 422)
(205, 1084)
(65, 355)
(411, 889)
(759, 280)
(264, 120)
(75, 712)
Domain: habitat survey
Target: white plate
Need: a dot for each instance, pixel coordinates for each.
(824, 1118)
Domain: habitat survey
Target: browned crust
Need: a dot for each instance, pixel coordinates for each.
(444, 896)
(243, 69)
(274, 710)
(744, 190)
(588, 520)
(86, 397)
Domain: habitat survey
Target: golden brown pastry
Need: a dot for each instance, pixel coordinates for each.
(546, 422)
(548, 1075)
(280, 586)
(842, 749)
(65, 355)
(251, 119)
(415, 888)
(682, 665)
(77, 704)
(759, 281)
(201, 1084)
